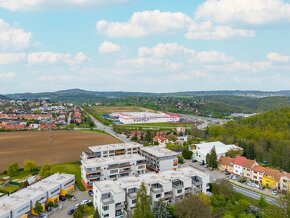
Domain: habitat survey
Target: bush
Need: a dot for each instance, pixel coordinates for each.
(13, 169)
(187, 154)
(90, 204)
(180, 159)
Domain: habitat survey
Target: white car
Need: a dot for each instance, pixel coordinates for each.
(274, 192)
(85, 202)
(77, 205)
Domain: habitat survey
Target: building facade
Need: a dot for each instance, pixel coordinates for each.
(159, 158)
(118, 198)
(110, 150)
(98, 169)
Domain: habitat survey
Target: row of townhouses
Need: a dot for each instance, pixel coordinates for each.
(250, 169)
(21, 203)
(118, 198)
(113, 161)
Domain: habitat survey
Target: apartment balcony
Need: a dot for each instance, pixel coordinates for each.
(196, 182)
(157, 190)
(177, 186)
(168, 195)
(127, 170)
(132, 195)
(107, 201)
(90, 176)
(119, 213)
(188, 190)
(124, 165)
(119, 207)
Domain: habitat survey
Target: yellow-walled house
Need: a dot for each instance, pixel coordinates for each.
(271, 178)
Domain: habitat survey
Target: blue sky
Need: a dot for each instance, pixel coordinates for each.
(144, 45)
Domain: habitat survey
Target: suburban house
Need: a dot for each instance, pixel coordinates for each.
(258, 173)
(226, 164)
(243, 166)
(285, 183)
(271, 178)
(160, 140)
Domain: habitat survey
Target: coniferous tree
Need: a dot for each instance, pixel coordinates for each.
(160, 210)
(143, 208)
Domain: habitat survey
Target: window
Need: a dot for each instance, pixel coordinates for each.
(158, 195)
(105, 208)
(134, 201)
(179, 191)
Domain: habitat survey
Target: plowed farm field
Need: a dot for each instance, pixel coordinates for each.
(47, 147)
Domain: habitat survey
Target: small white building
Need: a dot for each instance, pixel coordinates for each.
(110, 150)
(52, 189)
(5, 213)
(171, 186)
(66, 182)
(18, 207)
(98, 169)
(33, 197)
(201, 150)
(159, 158)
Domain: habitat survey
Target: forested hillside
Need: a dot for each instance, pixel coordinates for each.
(265, 137)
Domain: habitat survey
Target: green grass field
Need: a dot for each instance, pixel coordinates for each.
(9, 188)
(72, 168)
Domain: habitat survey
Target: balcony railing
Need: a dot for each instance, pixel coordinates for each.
(177, 186)
(157, 190)
(107, 201)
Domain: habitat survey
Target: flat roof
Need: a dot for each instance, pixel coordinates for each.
(28, 194)
(4, 212)
(204, 145)
(59, 177)
(140, 115)
(12, 202)
(98, 148)
(43, 185)
(219, 150)
(112, 160)
(108, 185)
(158, 151)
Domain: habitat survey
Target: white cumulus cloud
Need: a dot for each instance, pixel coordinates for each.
(276, 57)
(206, 30)
(109, 47)
(53, 58)
(144, 23)
(12, 38)
(254, 12)
(11, 58)
(19, 5)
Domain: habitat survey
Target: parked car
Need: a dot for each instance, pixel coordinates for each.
(77, 205)
(193, 160)
(242, 180)
(62, 198)
(274, 192)
(227, 173)
(234, 177)
(71, 211)
(91, 193)
(85, 202)
(261, 187)
(206, 166)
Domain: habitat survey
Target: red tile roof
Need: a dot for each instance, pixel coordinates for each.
(226, 160)
(259, 169)
(244, 162)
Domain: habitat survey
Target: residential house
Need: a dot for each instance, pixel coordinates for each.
(226, 164)
(243, 166)
(257, 174)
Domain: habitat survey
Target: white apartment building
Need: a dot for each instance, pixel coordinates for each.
(110, 150)
(65, 181)
(109, 198)
(171, 186)
(32, 196)
(201, 150)
(21, 203)
(52, 189)
(98, 169)
(159, 158)
(17, 207)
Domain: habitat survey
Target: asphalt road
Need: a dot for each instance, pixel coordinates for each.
(108, 129)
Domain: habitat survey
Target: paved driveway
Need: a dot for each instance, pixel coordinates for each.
(69, 204)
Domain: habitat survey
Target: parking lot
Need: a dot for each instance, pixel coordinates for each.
(69, 204)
